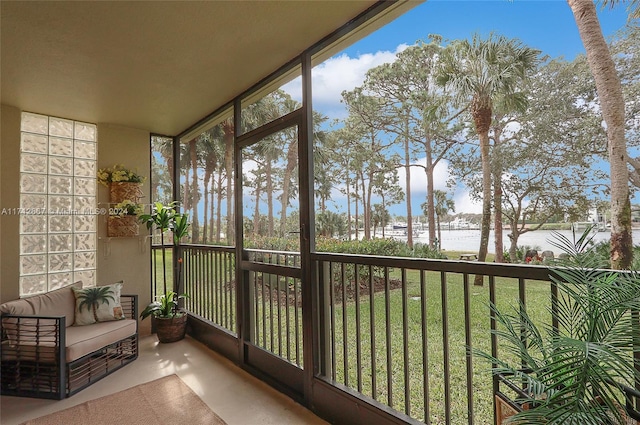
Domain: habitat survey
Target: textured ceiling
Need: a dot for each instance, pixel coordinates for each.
(158, 66)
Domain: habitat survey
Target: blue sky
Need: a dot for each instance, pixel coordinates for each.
(546, 25)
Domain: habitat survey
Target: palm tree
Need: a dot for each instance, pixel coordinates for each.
(331, 224)
(211, 142)
(228, 130)
(380, 216)
(443, 205)
(478, 72)
(612, 105)
(93, 297)
(195, 154)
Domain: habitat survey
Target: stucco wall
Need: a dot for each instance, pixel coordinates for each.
(9, 198)
(125, 259)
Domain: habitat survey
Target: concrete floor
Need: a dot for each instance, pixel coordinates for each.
(236, 396)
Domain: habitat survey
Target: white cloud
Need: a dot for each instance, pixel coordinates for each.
(337, 74)
(419, 178)
(465, 204)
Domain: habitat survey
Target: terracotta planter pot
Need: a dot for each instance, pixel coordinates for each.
(170, 329)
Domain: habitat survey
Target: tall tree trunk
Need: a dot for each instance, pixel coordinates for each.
(195, 192)
(348, 206)
(166, 150)
(482, 119)
(355, 187)
(366, 208)
(269, 190)
(497, 193)
(513, 246)
(205, 219)
(407, 164)
(612, 106)
(497, 198)
(497, 217)
(292, 162)
(212, 210)
(186, 191)
(219, 207)
(228, 129)
(431, 202)
(256, 211)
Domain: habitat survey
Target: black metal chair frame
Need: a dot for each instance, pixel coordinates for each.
(40, 370)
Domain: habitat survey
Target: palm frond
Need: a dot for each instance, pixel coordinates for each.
(572, 373)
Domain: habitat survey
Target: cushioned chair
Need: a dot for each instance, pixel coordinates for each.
(44, 355)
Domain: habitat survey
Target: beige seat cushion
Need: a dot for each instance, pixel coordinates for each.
(82, 340)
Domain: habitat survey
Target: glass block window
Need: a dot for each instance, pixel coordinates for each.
(57, 203)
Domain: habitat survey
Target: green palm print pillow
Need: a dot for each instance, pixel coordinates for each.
(98, 304)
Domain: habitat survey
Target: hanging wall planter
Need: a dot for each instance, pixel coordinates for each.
(121, 191)
(122, 227)
(125, 193)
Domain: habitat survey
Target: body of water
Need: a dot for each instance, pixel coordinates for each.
(469, 240)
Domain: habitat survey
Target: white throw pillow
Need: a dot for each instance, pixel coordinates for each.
(98, 304)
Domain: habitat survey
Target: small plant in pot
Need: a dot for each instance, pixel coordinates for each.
(169, 321)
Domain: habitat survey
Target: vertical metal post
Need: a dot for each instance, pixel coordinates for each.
(326, 318)
(176, 250)
(468, 342)
(242, 281)
(310, 302)
(425, 346)
(494, 341)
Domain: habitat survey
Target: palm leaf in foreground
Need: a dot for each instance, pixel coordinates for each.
(571, 374)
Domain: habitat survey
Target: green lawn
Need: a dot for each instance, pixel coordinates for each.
(156, 270)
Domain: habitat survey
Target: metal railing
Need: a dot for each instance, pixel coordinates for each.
(208, 281)
(277, 305)
(398, 332)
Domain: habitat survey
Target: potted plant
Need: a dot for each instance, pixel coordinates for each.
(169, 321)
(582, 371)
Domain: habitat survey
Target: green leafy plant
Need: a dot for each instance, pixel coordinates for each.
(166, 306)
(574, 373)
(127, 207)
(163, 218)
